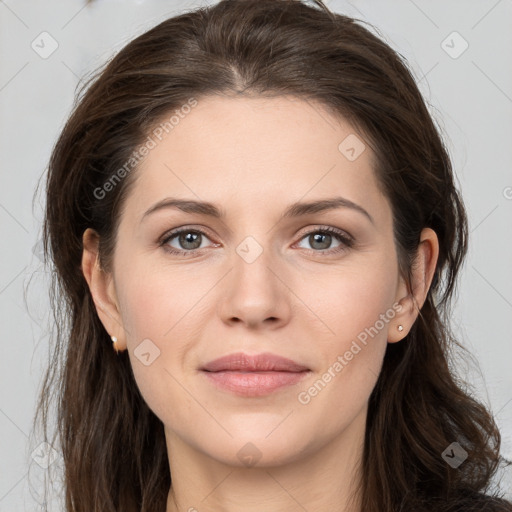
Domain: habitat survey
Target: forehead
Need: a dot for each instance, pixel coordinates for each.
(245, 151)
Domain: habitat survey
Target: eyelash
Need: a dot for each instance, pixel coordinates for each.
(346, 240)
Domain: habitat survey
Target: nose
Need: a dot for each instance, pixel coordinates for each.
(256, 292)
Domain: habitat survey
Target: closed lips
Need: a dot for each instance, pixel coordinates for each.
(245, 363)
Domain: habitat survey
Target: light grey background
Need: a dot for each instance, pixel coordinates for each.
(470, 96)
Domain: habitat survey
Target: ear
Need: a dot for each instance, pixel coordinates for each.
(422, 272)
(101, 286)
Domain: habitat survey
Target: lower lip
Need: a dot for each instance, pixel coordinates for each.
(254, 383)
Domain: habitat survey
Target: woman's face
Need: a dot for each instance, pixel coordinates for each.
(261, 278)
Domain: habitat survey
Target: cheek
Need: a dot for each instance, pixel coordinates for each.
(154, 304)
(354, 312)
(158, 312)
(164, 312)
(350, 300)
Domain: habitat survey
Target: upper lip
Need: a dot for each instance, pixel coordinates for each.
(265, 362)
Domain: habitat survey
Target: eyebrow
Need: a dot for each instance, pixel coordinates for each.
(294, 210)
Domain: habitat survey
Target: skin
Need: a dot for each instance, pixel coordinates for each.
(253, 157)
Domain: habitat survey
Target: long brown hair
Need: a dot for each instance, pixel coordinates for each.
(113, 446)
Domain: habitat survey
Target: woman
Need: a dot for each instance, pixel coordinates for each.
(256, 236)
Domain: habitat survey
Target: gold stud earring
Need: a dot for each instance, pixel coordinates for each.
(114, 341)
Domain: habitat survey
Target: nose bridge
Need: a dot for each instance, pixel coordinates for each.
(254, 290)
(253, 261)
(254, 233)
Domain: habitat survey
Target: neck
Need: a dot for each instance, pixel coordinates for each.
(324, 480)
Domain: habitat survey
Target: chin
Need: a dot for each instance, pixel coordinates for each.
(254, 451)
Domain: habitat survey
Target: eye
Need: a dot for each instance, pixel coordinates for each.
(321, 239)
(188, 239)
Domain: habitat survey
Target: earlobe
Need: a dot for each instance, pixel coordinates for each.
(422, 273)
(102, 289)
